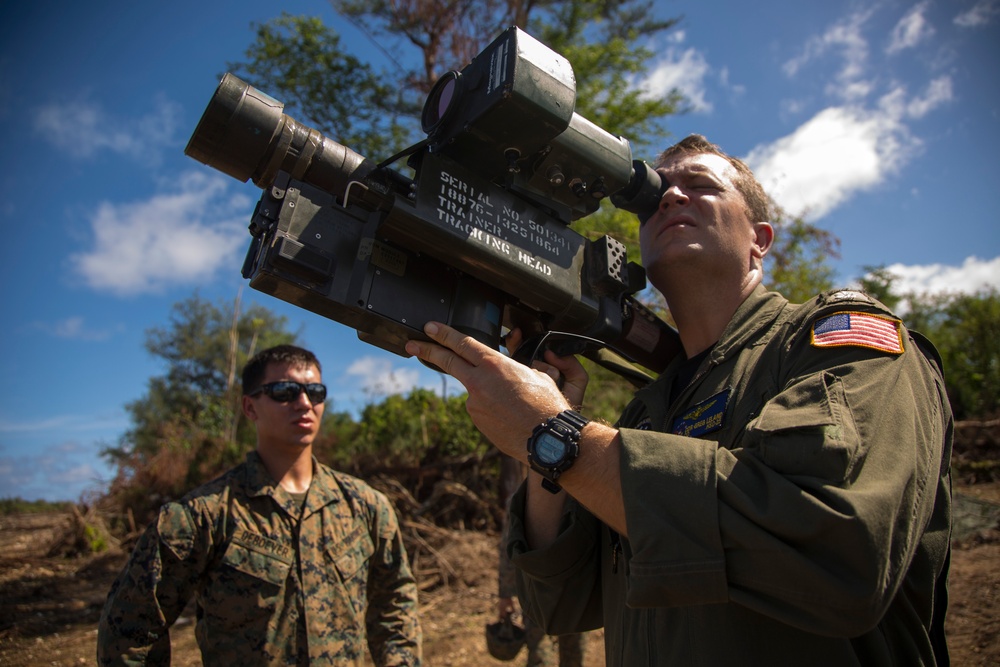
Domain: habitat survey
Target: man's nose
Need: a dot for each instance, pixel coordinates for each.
(303, 398)
(673, 196)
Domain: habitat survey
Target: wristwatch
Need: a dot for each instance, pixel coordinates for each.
(554, 446)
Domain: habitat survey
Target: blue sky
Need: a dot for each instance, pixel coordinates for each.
(879, 121)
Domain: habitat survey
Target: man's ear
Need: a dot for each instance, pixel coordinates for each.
(249, 409)
(763, 238)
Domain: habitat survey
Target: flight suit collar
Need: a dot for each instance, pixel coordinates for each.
(750, 325)
(753, 316)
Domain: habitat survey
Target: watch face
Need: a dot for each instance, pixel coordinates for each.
(549, 449)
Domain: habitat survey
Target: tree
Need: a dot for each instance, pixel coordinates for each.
(189, 425)
(301, 61)
(963, 329)
(406, 432)
(605, 41)
(877, 282)
(602, 39)
(798, 262)
(967, 341)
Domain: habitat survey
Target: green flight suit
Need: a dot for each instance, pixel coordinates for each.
(276, 583)
(804, 520)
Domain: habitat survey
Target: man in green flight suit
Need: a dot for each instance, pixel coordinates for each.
(779, 495)
(289, 561)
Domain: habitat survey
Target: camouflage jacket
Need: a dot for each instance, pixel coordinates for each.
(274, 583)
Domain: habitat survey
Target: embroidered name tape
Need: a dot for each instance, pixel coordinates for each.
(704, 417)
(858, 330)
(264, 545)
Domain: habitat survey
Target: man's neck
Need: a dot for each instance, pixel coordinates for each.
(291, 467)
(702, 309)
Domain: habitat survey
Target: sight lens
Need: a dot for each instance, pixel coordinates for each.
(440, 103)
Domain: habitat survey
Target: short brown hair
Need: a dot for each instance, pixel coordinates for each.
(757, 202)
(256, 368)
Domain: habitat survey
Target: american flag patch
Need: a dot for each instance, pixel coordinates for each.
(858, 329)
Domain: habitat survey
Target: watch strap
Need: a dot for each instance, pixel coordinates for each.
(573, 418)
(550, 486)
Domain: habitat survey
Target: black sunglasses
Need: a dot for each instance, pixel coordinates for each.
(287, 391)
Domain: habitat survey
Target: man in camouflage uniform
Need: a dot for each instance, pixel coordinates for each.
(289, 561)
(779, 495)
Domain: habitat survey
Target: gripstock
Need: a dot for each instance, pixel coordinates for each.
(478, 238)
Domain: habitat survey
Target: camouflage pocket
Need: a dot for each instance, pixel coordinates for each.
(259, 557)
(351, 559)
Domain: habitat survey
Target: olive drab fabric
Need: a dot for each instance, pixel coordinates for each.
(276, 582)
(542, 651)
(790, 505)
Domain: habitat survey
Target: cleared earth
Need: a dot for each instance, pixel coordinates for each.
(49, 606)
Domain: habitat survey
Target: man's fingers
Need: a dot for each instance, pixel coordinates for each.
(435, 355)
(454, 353)
(466, 347)
(547, 369)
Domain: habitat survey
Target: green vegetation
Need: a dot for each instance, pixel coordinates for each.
(20, 506)
(96, 539)
(963, 329)
(797, 265)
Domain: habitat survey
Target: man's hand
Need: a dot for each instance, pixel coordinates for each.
(569, 369)
(506, 398)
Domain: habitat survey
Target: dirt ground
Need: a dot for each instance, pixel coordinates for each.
(49, 607)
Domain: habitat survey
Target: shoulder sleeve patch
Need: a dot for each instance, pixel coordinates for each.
(858, 330)
(848, 295)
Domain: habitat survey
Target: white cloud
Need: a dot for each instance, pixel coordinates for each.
(75, 328)
(684, 70)
(79, 475)
(854, 145)
(179, 238)
(378, 377)
(981, 14)
(737, 89)
(939, 91)
(677, 36)
(896, 105)
(911, 30)
(839, 151)
(973, 275)
(846, 39)
(82, 129)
